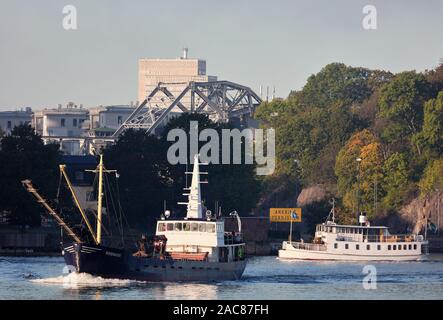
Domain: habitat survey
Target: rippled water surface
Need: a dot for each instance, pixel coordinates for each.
(264, 278)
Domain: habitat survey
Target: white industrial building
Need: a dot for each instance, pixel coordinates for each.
(11, 119)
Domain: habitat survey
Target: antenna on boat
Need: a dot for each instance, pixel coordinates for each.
(333, 210)
(194, 204)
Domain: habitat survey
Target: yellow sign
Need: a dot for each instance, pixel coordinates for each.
(285, 214)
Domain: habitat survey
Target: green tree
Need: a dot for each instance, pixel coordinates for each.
(24, 156)
(396, 180)
(401, 103)
(432, 179)
(145, 178)
(431, 136)
(363, 145)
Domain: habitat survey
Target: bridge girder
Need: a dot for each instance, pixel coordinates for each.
(221, 100)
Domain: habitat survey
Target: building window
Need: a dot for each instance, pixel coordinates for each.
(410, 247)
(389, 247)
(357, 246)
(335, 245)
(119, 120)
(62, 122)
(368, 247)
(346, 246)
(394, 247)
(74, 122)
(405, 247)
(9, 124)
(415, 247)
(378, 247)
(399, 247)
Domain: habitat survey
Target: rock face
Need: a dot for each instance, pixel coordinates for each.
(310, 195)
(419, 210)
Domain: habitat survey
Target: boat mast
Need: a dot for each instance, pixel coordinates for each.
(100, 170)
(99, 202)
(194, 204)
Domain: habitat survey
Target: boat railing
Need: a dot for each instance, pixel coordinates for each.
(305, 246)
(381, 238)
(233, 238)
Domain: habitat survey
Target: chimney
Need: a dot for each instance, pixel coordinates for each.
(185, 53)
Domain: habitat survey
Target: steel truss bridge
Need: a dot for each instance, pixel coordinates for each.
(221, 100)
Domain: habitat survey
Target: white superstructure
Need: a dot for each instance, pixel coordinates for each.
(361, 243)
(199, 235)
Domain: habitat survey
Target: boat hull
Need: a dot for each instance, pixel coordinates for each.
(121, 264)
(300, 254)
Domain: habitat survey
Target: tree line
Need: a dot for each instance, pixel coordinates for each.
(392, 122)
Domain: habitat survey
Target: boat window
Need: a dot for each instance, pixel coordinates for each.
(178, 226)
(202, 227)
(346, 246)
(194, 226)
(170, 226)
(368, 247)
(357, 246)
(187, 226)
(211, 228)
(378, 247)
(161, 227)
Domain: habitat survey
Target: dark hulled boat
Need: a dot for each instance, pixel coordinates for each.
(195, 248)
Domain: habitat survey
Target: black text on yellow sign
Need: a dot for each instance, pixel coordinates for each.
(285, 214)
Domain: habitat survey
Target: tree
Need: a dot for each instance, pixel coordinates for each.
(432, 179)
(337, 82)
(363, 145)
(145, 178)
(24, 156)
(401, 103)
(395, 181)
(431, 136)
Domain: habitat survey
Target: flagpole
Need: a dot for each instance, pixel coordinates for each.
(290, 232)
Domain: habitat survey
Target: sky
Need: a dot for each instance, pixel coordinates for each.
(270, 43)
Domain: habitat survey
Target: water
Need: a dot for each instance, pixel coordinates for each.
(264, 278)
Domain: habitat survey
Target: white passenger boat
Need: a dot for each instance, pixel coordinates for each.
(356, 243)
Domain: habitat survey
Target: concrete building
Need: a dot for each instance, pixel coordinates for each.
(104, 120)
(11, 119)
(176, 72)
(55, 125)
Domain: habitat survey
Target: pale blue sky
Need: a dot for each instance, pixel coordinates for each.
(256, 42)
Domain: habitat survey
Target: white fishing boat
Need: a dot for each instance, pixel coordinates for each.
(361, 242)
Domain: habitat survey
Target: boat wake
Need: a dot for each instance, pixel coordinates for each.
(76, 280)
